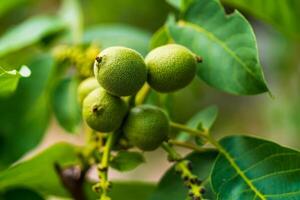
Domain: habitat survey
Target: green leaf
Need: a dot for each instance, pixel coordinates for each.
(65, 105)
(159, 38)
(29, 32)
(283, 14)
(9, 79)
(25, 114)
(71, 13)
(20, 193)
(171, 186)
(202, 120)
(125, 191)
(38, 173)
(126, 161)
(118, 34)
(251, 168)
(227, 45)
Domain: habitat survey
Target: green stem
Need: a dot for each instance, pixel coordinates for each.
(173, 155)
(106, 150)
(190, 146)
(190, 130)
(104, 184)
(142, 94)
(196, 133)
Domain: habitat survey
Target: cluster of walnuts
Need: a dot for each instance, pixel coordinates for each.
(121, 72)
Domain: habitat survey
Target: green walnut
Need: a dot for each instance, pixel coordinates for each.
(170, 67)
(120, 71)
(146, 127)
(85, 87)
(103, 112)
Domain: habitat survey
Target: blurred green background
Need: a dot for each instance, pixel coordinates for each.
(27, 117)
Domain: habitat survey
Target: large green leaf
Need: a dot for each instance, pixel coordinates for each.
(29, 32)
(38, 173)
(171, 186)
(121, 35)
(227, 45)
(251, 168)
(9, 79)
(25, 114)
(283, 14)
(66, 106)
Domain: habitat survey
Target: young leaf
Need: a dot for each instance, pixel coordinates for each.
(202, 120)
(171, 186)
(227, 44)
(116, 34)
(251, 168)
(9, 79)
(126, 161)
(27, 111)
(159, 38)
(29, 32)
(65, 104)
(284, 14)
(38, 173)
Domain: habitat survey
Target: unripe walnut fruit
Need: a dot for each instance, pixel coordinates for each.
(120, 71)
(86, 87)
(170, 67)
(146, 127)
(103, 112)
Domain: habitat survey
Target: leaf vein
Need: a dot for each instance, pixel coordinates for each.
(240, 172)
(275, 173)
(267, 158)
(218, 41)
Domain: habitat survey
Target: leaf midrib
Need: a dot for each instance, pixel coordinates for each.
(240, 172)
(211, 36)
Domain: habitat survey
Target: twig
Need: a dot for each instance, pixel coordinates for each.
(190, 146)
(73, 180)
(104, 185)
